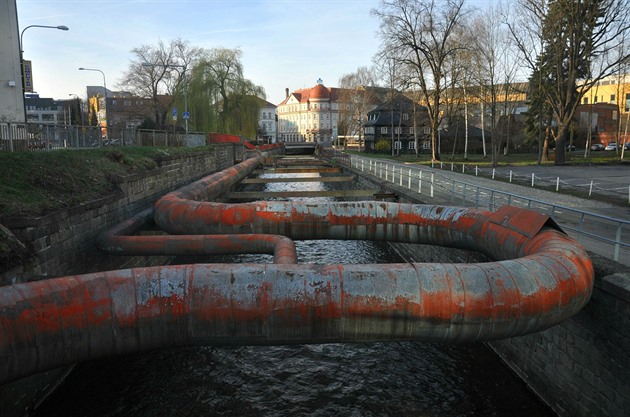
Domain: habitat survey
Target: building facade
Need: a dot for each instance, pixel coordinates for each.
(46, 111)
(397, 122)
(266, 122)
(309, 115)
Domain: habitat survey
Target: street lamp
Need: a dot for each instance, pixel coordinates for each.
(182, 75)
(61, 27)
(105, 87)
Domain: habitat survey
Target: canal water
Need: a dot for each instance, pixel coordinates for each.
(372, 379)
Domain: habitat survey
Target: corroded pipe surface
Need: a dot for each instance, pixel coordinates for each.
(119, 241)
(540, 278)
(60, 321)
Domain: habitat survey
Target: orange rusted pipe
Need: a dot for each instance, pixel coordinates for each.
(54, 322)
(118, 241)
(540, 278)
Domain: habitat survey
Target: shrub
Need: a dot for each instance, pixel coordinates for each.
(382, 146)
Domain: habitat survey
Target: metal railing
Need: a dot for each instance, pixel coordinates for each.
(550, 183)
(40, 137)
(607, 236)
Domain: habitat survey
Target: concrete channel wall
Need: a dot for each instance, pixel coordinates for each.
(580, 367)
(64, 244)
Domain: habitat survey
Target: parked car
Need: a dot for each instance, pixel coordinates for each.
(571, 148)
(597, 147)
(627, 146)
(612, 146)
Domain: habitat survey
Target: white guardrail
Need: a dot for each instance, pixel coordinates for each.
(604, 235)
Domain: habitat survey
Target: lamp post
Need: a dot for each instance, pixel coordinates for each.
(105, 87)
(182, 75)
(61, 27)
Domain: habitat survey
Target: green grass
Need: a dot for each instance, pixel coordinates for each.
(37, 183)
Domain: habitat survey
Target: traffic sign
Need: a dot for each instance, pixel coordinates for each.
(186, 115)
(174, 113)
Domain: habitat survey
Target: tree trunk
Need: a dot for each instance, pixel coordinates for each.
(561, 140)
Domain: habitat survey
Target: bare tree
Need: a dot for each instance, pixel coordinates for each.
(356, 99)
(160, 70)
(422, 32)
(495, 68)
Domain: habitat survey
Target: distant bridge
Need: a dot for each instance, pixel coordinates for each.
(300, 148)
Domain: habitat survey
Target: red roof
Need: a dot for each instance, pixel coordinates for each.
(318, 92)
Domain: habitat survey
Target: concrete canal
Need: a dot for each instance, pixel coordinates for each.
(368, 379)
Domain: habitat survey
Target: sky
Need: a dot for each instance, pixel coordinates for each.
(285, 44)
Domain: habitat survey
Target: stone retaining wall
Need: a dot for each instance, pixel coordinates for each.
(63, 242)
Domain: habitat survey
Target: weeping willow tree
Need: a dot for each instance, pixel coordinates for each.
(220, 99)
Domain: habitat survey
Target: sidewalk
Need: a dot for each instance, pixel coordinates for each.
(605, 177)
(602, 227)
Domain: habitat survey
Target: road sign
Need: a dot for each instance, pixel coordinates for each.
(186, 115)
(174, 113)
(27, 73)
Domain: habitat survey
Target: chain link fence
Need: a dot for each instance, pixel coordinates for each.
(37, 137)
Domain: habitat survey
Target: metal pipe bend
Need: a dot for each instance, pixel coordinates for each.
(122, 240)
(541, 277)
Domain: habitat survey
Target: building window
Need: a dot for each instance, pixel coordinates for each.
(427, 130)
(412, 145)
(412, 130)
(405, 116)
(397, 130)
(397, 144)
(595, 100)
(384, 130)
(612, 98)
(585, 101)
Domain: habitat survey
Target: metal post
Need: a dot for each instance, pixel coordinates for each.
(617, 243)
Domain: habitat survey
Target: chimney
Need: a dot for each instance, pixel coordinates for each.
(286, 91)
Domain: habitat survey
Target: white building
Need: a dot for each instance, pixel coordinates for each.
(309, 115)
(267, 122)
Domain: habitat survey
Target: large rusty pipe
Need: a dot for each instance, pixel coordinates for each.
(55, 322)
(541, 278)
(119, 240)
